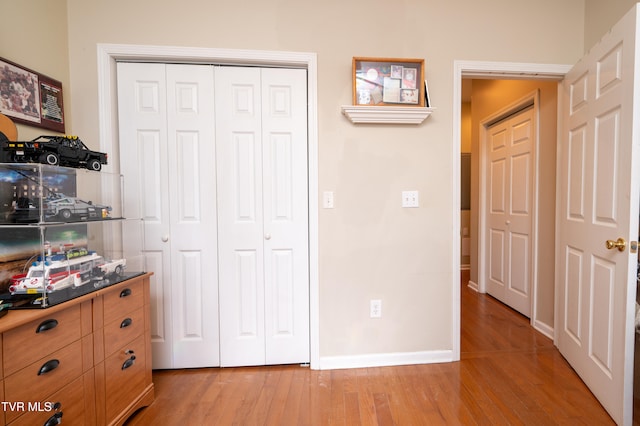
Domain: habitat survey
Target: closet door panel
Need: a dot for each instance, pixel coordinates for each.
(193, 220)
(240, 218)
(285, 177)
(142, 118)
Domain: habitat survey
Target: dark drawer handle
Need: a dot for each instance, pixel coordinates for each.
(126, 292)
(47, 325)
(129, 362)
(54, 420)
(49, 366)
(126, 322)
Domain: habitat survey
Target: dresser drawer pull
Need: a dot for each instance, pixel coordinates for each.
(126, 322)
(49, 366)
(54, 420)
(129, 362)
(126, 292)
(46, 325)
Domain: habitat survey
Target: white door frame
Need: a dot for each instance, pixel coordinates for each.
(108, 54)
(480, 69)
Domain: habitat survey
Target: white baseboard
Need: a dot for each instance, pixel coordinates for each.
(384, 360)
(543, 328)
(473, 285)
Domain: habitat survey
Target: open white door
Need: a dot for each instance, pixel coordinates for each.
(598, 201)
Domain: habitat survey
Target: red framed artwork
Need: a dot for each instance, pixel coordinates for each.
(31, 98)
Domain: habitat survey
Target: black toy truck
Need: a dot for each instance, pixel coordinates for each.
(67, 151)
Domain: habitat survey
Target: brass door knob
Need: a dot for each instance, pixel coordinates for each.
(620, 243)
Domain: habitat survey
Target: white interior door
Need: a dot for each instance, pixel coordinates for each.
(263, 217)
(510, 149)
(168, 160)
(598, 201)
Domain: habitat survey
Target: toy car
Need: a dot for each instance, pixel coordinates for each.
(66, 208)
(67, 151)
(73, 268)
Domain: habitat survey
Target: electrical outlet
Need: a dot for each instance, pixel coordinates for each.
(375, 309)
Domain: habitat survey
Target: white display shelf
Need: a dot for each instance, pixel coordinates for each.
(386, 114)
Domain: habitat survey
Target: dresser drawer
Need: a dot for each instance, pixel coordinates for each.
(123, 330)
(125, 376)
(25, 344)
(118, 303)
(45, 376)
(69, 403)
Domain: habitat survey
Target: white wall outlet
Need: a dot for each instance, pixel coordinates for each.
(327, 199)
(375, 309)
(410, 199)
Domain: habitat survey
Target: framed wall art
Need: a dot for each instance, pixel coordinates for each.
(31, 98)
(385, 81)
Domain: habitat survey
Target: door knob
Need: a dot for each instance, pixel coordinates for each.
(267, 236)
(620, 244)
(165, 238)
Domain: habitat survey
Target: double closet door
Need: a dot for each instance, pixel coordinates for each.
(215, 161)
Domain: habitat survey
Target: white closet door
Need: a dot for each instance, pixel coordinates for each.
(193, 227)
(286, 216)
(263, 219)
(510, 151)
(167, 155)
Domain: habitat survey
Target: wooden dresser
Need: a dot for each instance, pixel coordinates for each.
(87, 361)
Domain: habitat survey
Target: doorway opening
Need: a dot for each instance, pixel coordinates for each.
(485, 73)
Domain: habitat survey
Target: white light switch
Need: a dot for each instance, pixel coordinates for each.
(410, 199)
(327, 199)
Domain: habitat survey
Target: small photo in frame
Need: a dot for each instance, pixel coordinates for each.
(409, 78)
(388, 81)
(409, 96)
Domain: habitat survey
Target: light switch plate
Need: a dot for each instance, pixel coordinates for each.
(327, 199)
(410, 199)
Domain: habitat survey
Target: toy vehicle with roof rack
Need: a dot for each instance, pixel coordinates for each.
(67, 151)
(72, 267)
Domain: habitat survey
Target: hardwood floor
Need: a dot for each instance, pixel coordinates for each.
(508, 374)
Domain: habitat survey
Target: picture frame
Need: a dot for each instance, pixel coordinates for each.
(31, 98)
(388, 81)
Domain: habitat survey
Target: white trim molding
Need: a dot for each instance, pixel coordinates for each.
(109, 54)
(385, 359)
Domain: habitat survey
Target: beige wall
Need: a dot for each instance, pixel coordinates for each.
(489, 97)
(600, 16)
(369, 246)
(34, 35)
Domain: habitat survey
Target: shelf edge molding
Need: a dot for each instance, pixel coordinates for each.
(385, 114)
